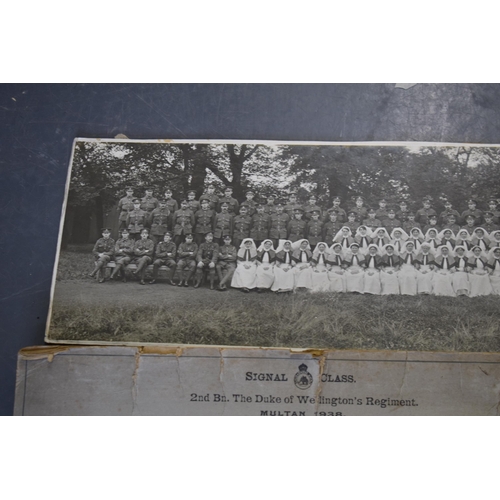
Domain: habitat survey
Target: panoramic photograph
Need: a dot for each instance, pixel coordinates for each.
(266, 244)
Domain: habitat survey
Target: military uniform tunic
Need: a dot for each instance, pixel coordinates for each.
(314, 232)
(226, 263)
(279, 226)
(194, 205)
(149, 203)
(391, 224)
(105, 246)
(251, 207)
(291, 207)
(125, 205)
(135, 221)
(212, 198)
(330, 229)
(423, 215)
(160, 218)
(124, 250)
(204, 221)
(241, 228)
(183, 222)
(223, 224)
(233, 207)
(260, 227)
(477, 214)
(296, 229)
(341, 213)
(309, 209)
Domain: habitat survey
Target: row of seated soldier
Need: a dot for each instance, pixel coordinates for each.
(291, 220)
(192, 260)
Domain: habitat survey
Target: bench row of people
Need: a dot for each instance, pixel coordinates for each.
(401, 265)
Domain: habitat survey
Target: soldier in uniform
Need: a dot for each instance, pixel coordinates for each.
(423, 214)
(470, 224)
(270, 207)
(409, 223)
(451, 223)
(311, 207)
(443, 216)
(292, 205)
(488, 224)
(149, 203)
(206, 258)
(135, 220)
(234, 206)
(473, 210)
(125, 205)
(260, 226)
(210, 195)
(194, 205)
(124, 252)
(493, 208)
(403, 213)
(373, 222)
(103, 251)
(160, 218)
(143, 254)
(223, 223)
(382, 213)
(352, 222)
(432, 224)
(341, 213)
(360, 210)
(331, 227)
(171, 203)
(226, 262)
(297, 226)
(391, 222)
(278, 225)
(183, 222)
(203, 221)
(165, 256)
(250, 203)
(241, 226)
(187, 252)
(314, 229)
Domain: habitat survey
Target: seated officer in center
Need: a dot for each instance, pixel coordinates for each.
(226, 263)
(165, 256)
(186, 253)
(143, 254)
(124, 252)
(103, 251)
(206, 259)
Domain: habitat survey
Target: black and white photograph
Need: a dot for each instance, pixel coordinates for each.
(265, 244)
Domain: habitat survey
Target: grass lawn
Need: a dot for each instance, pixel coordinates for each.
(85, 310)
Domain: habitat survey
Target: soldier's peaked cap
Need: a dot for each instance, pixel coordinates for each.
(136, 201)
(204, 201)
(209, 232)
(168, 233)
(191, 191)
(227, 237)
(105, 229)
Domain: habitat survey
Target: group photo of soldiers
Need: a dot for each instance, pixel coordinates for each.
(287, 243)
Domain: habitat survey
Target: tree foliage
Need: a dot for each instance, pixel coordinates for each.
(102, 170)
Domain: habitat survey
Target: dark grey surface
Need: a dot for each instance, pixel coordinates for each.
(39, 122)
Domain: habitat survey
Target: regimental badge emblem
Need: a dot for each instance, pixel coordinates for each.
(303, 379)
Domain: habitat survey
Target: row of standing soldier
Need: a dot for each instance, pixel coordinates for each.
(226, 216)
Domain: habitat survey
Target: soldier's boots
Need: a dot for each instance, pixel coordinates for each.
(115, 272)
